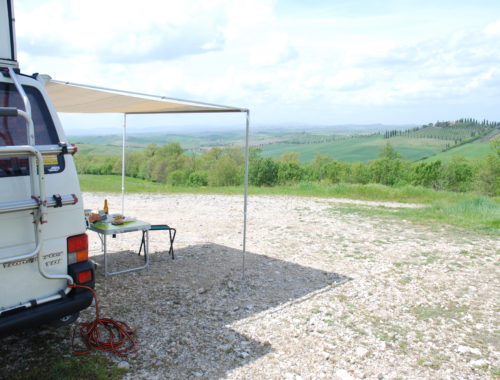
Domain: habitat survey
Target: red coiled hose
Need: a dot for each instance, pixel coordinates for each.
(104, 334)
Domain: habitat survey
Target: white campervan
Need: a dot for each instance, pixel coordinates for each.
(43, 245)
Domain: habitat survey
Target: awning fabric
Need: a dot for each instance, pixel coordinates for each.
(75, 98)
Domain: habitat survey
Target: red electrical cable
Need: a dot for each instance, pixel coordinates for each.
(104, 334)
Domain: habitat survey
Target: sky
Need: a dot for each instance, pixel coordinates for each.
(291, 62)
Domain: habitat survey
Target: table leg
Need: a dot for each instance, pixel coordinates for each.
(105, 258)
(146, 249)
(146, 256)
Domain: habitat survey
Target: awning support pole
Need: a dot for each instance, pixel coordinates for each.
(245, 201)
(123, 161)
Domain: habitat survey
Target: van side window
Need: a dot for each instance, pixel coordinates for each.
(14, 131)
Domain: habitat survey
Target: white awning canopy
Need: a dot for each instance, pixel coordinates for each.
(77, 98)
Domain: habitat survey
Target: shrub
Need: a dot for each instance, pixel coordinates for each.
(428, 174)
(318, 166)
(198, 178)
(385, 171)
(178, 178)
(225, 172)
(359, 173)
(489, 175)
(263, 171)
(290, 172)
(459, 174)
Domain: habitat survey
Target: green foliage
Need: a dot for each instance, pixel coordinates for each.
(318, 166)
(334, 171)
(225, 167)
(178, 178)
(495, 146)
(387, 169)
(263, 171)
(289, 157)
(389, 152)
(428, 174)
(103, 164)
(225, 172)
(458, 174)
(384, 171)
(290, 172)
(198, 178)
(489, 173)
(359, 173)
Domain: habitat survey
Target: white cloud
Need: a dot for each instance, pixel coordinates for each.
(492, 29)
(275, 51)
(121, 31)
(245, 53)
(347, 80)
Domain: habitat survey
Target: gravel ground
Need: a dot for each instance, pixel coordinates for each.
(326, 293)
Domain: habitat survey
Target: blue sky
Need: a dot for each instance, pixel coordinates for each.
(312, 62)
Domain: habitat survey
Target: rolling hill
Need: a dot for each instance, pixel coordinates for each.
(442, 140)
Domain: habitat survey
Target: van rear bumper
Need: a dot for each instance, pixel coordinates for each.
(45, 313)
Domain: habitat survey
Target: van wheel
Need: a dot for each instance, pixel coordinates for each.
(64, 321)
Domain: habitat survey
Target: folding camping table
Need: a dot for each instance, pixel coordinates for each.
(104, 228)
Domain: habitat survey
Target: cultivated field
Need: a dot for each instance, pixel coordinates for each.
(327, 293)
(427, 142)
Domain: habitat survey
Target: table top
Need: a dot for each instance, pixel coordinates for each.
(106, 228)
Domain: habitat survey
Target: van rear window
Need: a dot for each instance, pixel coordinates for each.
(13, 130)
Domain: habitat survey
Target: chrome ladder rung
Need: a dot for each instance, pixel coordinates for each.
(34, 203)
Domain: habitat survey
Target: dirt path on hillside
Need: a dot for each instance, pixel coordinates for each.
(327, 293)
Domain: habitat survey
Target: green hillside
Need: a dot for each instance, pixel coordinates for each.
(475, 150)
(197, 142)
(107, 149)
(469, 136)
(357, 149)
(440, 140)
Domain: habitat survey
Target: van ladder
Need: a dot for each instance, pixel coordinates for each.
(38, 202)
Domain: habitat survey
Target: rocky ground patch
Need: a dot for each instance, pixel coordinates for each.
(325, 293)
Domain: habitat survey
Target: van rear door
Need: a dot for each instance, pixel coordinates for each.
(21, 282)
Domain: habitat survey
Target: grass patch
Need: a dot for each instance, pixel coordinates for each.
(495, 372)
(342, 297)
(412, 194)
(354, 327)
(405, 280)
(434, 363)
(481, 214)
(47, 355)
(425, 312)
(462, 210)
(83, 367)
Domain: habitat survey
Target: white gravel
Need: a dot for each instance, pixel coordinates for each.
(327, 293)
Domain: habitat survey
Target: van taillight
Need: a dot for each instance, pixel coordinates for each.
(78, 248)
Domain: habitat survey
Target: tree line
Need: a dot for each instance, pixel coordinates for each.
(225, 167)
(458, 130)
